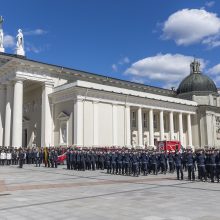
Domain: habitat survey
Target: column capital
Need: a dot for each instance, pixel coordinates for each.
(78, 99)
(18, 79)
(97, 102)
(48, 84)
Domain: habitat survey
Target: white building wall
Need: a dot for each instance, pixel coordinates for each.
(88, 124)
(120, 125)
(105, 124)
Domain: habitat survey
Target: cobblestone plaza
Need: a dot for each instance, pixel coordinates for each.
(46, 193)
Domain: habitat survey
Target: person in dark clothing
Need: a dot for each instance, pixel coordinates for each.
(113, 162)
(217, 161)
(190, 162)
(55, 158)
(108, 162)
(154, 159)
(144, 163)
(82, 161)
(201, 166)
(178, 162)
(212, 166)
(68, 159)
(171, 162)
(21, 156)
(134, 159)
(162, 158)
(119, 163)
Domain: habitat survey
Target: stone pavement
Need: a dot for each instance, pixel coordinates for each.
(46, 193)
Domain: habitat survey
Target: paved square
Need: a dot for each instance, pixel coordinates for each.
(46, 193)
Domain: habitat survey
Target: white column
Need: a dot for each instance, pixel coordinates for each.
(189, 130)
(17, 114)
(78, 122)
(181, 128)
(114, 125)
(9, 95)
(171, 126)
(95, 123)
(2, 113)
(161, 126)
(127, 126)
(46, 116)
(140, 128)
(151, 128)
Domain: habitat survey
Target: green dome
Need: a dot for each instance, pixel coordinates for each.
(196, 82)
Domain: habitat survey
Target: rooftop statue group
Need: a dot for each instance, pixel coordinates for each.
(20, 40)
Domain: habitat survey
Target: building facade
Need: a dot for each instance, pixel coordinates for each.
(48, 105)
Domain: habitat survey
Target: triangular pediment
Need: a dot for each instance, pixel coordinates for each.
(63, 116)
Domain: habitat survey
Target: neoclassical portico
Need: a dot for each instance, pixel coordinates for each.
(12, 94)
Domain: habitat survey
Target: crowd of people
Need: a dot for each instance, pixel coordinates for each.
(123, 161)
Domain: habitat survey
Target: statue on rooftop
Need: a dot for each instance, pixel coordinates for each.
(20, 43)
(20, 39)
(195, 67)
(1, 35)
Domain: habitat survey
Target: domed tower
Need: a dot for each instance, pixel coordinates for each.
(196, 84)
(201, 89)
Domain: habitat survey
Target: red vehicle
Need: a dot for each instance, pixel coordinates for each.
(169, 146)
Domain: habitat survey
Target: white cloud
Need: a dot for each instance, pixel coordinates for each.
(210, 4)
(114, 67)
(212, 42)
(35, 32)
(189, 26)
(214, 70)
(9, 41)
(123, 61)
(165, 69)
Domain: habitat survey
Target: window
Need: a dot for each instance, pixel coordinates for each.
(133, 119)
(215, 101)
(145, 120)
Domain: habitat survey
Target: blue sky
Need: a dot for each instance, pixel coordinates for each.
(146, 41)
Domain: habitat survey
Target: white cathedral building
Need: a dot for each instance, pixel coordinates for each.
(48, 105)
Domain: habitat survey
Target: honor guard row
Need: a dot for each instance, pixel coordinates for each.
(121, 161)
